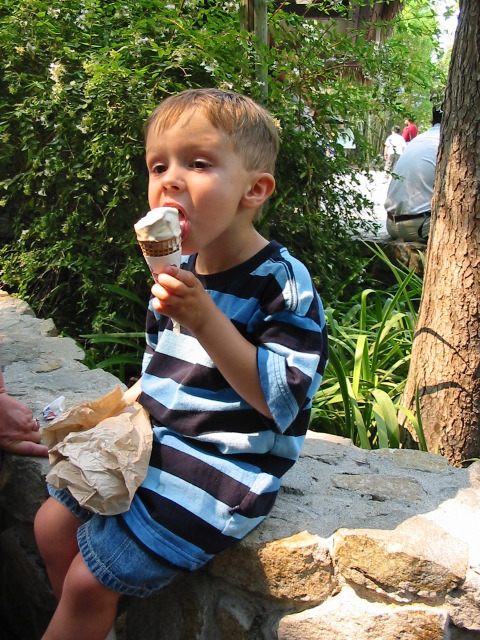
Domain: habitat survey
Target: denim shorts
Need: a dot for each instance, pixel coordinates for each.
(113, 556)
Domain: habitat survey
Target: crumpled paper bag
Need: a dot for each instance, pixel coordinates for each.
(100, 450)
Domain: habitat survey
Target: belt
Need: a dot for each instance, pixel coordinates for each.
(407, 216)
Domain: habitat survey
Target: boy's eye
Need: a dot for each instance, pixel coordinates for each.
(158, 168)
(200, 164)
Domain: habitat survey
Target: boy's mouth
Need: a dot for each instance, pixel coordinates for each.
(182, 218)
(184, 227)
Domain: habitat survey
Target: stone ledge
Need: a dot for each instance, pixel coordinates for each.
(375, 545)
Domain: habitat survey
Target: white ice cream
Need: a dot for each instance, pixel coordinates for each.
(159, 224)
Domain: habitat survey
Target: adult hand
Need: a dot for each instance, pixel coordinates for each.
(19, 431)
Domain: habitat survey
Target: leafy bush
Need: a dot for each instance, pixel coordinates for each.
(119, 348)
(73, 178)
(370, 347)
(77, 80)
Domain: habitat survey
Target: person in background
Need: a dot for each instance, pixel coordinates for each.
(19, 431)
(409, 196)
(229, 396)
(410, 130)
(393, 149)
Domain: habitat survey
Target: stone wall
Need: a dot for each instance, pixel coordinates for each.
(371, 545)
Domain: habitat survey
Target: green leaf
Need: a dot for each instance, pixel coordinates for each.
(360, 363)
(387, 420)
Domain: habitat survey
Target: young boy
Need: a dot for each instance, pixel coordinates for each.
(229, 397)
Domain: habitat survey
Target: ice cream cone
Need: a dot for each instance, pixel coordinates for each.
(159, 261)
(159, 237)
(159, 248)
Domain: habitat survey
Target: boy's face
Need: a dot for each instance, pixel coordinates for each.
(193, 167)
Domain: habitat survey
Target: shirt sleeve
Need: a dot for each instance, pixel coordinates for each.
(292, 344)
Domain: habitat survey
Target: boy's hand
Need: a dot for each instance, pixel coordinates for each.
(131, 394)
(181, 296)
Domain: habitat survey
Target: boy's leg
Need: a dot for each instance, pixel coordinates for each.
(86, 610)
(56, 535)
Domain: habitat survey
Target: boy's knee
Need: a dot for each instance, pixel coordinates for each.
(79, 578)
(83, 587)
(54, 527)
(42, 522)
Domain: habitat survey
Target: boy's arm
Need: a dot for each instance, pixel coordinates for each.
(234, 356)
(183, 298)
(132, 393)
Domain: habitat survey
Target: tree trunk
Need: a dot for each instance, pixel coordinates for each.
(445, 367)
(254, 17)
(261, 33)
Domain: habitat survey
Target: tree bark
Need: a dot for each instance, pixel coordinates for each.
(445, 367)
(254, 18)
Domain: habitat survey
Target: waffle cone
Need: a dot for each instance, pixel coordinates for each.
(158, 248)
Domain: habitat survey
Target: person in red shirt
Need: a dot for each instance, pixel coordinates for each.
(410, 130)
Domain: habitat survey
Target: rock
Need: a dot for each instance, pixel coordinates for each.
(347, 617)
(417, 560)
(272, 569)
(38, 366)
(370, 545)
(27, 603)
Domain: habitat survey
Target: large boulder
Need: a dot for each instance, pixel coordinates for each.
(371, 545)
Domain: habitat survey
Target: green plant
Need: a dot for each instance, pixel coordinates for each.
(118, 345)
(77, 80)
(370, 347)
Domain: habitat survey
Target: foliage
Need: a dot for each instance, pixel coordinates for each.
(77, 80)
(78, 90)
(370, 346)
(120, 338)
(411, 55)
(416, 45)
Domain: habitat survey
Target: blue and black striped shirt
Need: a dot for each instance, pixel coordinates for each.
(216, 462)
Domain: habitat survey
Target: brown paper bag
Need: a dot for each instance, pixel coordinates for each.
(100, 451)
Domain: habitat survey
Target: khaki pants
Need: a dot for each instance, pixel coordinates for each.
(411, 229)
(391, 161)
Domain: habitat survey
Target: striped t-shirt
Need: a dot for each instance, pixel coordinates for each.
(216, 462)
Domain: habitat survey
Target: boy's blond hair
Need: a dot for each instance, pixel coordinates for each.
(250, 127)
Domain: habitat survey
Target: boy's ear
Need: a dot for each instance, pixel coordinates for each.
(261, 188)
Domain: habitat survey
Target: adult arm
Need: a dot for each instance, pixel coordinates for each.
(19, 431)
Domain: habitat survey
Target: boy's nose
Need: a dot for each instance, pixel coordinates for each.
(172, 179)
